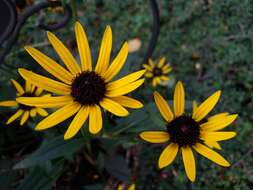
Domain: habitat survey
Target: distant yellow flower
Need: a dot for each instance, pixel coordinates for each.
(157, 72)
(186, 132)
(83, 91)
(131, 187)
(24, 111)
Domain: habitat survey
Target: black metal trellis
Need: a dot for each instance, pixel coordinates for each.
(155, 30)
(27, 12)
(12, 36)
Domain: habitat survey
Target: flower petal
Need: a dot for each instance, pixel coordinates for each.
(211, 155)
(45, 101)
(15, 116)
(113, 107)
(194, 106)
(125, 80)
(132, 187)
(18, 87)
(168, 155)
(33, 112)
(95, 119)
(128, 102)
(58, 116)
(42, 112)
(163, 107)
(8, 103)
(77, 122)
(204, 108)
(83, 47)
(117, 63)
(217, 136)
(155, 136)
(161, 62)
(125, 89)
(50, 65)
(213, 144)
(189, 163)
(45, 83)
(105, 51)
(179, 99)
(218, 116)
(218, 123)
(64, 54)
(24, 118)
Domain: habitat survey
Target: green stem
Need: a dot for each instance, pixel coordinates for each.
(74, 9)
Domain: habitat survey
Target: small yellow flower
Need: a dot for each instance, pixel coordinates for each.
(131, 187)
(24, 111)
(157, 72)
(186, 132)
(83, 91)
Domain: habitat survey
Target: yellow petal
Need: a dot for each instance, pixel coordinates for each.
(117, 63)
(64, 54)
(50, 65)
(217, 136)
(148, 74)
(113, 107)
(161, 62)
(163, 107)
(204, 108)
(95, 119)
(128, 102)
(166, 69)
(18, 87)
(120, 187)
(77, 122)
(45, 83)
(218, 116)
(38, 91)
(83, 47)
(194, 106)
(8, 103)
(179, 99)
(132, 187)
(105, 51)
(189, 163)
(24, 118)
(45, 101)
(125, 89)
(154, 82)
(165, 78)
(151, 63)
(42, 112)
(155, 136)
(168, 155)
(148, 67)
(125, 80)
(58, 116)
(219, 123)
(28, 86)
(33, 112)
(15, 116)
(211, 155)
(213, 144)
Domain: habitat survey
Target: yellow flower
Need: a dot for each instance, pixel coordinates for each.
(131, 187)
(83, 91)
(186, 132)
(24, 111)
(157, 72)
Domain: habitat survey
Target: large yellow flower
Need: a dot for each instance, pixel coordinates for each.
(83, 91)
(157, 72)
(186, 132)
(24, 111)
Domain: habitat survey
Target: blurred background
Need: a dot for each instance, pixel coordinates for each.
(208, 43)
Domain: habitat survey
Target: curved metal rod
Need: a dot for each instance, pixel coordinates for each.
(155, 30)
(22, 19)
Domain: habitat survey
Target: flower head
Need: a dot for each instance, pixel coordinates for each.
(83, 90)
(188, 132)
(157, 72)
(24, 111)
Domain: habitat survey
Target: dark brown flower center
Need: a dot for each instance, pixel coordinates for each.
(88, 88)
(184, 131)
(157, 71)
